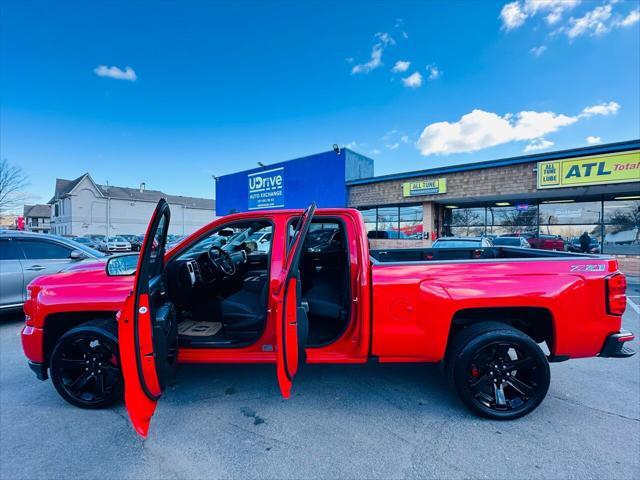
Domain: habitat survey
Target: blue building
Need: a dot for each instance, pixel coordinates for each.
(293, 183)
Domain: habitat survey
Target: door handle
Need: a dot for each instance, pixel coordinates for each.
(35, 268)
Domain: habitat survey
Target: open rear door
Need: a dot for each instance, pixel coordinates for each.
(292, 326)
(147, 329)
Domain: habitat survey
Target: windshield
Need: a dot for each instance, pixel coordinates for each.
(456, 243)
(233, 239)
(86, 249)
(506, 241)
(116, 239)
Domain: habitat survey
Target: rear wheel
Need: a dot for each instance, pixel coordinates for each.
(498, 371)
(85, 366)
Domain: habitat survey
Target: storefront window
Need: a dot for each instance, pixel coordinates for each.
(571, 235)
(464, 216)
(394, 222)
(570, 213)
(622, 227)
(519, 214)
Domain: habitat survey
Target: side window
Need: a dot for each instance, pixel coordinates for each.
(10, 250)
(156, 253)
(34, 249)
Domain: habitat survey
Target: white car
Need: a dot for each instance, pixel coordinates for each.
(114, 244)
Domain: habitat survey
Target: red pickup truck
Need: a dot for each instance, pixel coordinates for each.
(285, 287)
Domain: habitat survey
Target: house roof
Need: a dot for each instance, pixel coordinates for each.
(65, 187)
(40, 211)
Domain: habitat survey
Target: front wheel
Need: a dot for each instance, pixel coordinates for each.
(85, 367)
(498, 371)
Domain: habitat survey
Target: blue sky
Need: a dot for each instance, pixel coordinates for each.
(214, 87)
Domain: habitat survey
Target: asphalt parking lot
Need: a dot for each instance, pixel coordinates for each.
(372, 421)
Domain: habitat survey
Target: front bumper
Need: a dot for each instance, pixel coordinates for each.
(39, 369)
(614, 345)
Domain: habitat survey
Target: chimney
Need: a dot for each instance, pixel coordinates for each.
(142, 187)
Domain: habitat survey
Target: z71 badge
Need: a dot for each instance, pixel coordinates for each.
(587, 268)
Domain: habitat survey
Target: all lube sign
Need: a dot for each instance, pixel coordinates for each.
(266, 189)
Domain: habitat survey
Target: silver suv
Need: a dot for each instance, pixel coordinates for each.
(25, 256)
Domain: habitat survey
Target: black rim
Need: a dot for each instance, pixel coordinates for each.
(89, 370)
(505, 377)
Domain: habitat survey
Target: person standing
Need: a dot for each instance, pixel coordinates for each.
(585, 242)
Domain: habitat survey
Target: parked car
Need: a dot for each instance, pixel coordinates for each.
(385, 234)
(87, 242)
(462, 242)
(114, 244)
(24, 256)
(573, 245)
(134, 240)
(542, 241)
(484, 320)
(511, 242)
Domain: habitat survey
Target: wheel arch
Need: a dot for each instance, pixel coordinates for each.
(536, 322)
(57, 324)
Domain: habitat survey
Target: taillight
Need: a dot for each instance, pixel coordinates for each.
(616, 297)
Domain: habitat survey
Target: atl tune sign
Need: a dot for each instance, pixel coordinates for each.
(266, 189)
(593, 170)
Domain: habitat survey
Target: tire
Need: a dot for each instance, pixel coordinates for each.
(85, 365)
(480, 365)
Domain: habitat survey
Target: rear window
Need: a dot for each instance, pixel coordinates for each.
(456, 243)
(506, 241)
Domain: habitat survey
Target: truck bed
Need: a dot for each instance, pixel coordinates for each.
(399, 255)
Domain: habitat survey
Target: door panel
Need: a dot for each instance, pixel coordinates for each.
(43, 257)
(147, 330)
(291, 320)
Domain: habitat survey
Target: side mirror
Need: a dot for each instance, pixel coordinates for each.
(122, 265)
(77, 255)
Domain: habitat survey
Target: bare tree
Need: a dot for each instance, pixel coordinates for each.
(12, 182)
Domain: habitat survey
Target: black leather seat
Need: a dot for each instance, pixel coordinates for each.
(245, 309)
(327, 293)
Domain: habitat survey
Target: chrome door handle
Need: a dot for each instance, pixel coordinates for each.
(35, 268)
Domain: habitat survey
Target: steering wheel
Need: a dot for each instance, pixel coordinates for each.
(222, 260)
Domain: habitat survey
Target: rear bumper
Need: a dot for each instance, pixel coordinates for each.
(39, 369)
(614, 345)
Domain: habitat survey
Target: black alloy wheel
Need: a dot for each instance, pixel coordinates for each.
(85, 368)
(498, 371)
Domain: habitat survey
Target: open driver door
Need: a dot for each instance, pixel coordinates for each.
(147, 330)
(292, 325)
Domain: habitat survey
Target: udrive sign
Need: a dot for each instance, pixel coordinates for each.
(595, 170)
(266, 189)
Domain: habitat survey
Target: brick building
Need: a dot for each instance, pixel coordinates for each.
(565, 193)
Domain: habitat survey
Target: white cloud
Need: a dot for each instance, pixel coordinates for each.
(538, 144)
(114, 72)
(434, 72)
(392, 146)
(593, 140)
(607, 108)
(401, 66)
(404, 138)
(480, 129)
(633, 17)
(351, 145)
(594, 22)
(375, 61)
(537, 51)
(375, 151)
(512, 16)
(515, 14)
(413, 81)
